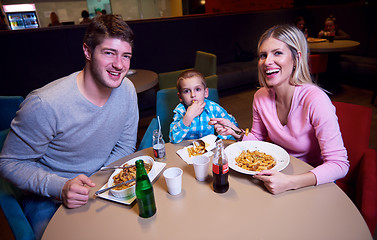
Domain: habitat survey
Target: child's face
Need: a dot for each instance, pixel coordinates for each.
(192, 90)
(329, 26)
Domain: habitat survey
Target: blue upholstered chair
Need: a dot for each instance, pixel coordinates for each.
(8, 195)
(8, 108)
(167, 100)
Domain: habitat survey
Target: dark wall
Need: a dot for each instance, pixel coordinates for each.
(31, 58)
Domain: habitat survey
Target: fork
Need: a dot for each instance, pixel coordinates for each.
(236, 131)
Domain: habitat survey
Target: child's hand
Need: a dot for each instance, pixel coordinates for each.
(194, 110)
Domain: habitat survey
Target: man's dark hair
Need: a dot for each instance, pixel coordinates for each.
(105, 26)
(84, 14)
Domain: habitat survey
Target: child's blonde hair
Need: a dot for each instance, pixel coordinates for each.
(189, 74)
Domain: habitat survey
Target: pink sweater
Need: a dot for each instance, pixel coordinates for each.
(312, 133)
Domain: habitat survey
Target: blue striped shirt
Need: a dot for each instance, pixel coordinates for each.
(199, 126)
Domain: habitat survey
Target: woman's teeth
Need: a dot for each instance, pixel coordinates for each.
(272, 71)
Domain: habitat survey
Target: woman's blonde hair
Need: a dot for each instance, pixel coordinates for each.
(296, 42)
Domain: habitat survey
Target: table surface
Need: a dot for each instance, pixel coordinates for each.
(245, 210)
(336, 46)
(143, 79)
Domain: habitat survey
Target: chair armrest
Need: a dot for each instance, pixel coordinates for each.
(366, 199)
(16, 218)
(146, 142)
(169, 79)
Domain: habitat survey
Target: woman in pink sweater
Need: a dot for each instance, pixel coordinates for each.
(293, 113)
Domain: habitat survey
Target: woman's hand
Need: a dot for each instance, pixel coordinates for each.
(277, 182)
(221, 130)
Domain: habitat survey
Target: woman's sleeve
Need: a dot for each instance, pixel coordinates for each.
(258, 131)
(325, 122)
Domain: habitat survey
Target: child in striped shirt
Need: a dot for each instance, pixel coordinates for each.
(192, 115)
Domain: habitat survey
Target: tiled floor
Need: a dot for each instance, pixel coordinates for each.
(238, 102)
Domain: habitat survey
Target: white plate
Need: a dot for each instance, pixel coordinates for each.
(156, 169)
(279, 154)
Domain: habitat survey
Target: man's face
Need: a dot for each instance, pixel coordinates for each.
(109, 62)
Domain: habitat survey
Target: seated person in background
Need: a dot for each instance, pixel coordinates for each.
(293, 113)
(300, 24)
(54, 20)
(70, 128)
(85, 17)
(192, 115)
(331, 29)
(3, 24)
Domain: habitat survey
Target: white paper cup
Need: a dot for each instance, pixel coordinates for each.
(201, 164)
(173, 178)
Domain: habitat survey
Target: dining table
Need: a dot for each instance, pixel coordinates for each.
(246, 211)
(142, 79)
(330, 79)
(332, 47)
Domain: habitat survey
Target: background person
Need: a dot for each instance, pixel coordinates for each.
(293, 113)
(54, 20)
(67, 130)
(301, 24)
(331, 29)
(192, 115)
(85, 17)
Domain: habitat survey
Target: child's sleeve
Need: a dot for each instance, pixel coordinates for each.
(178, 130)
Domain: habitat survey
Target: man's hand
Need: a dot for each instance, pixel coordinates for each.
(75, 192)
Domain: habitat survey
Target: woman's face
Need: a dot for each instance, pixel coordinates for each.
(275, 62)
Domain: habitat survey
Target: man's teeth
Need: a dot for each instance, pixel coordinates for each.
(272, 71)
(114, 74)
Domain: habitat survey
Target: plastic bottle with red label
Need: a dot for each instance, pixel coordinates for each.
(220, 169)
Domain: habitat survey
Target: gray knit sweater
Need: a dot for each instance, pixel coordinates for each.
(58, 134)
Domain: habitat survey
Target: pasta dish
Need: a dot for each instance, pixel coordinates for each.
(255, 161)
(126, 174)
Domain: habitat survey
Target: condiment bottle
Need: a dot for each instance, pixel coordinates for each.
(144, 192)
(158, 146)
(220, 169)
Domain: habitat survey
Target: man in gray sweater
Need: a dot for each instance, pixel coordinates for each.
(67, 130)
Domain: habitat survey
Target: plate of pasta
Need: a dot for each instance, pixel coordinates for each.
(251, 157)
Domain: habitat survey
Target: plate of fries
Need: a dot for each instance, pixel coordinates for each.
(251, 157)
(195, 149)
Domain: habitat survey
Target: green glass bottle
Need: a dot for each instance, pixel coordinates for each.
(144, 192)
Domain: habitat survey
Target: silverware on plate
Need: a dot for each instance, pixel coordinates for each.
(115, 167)
(117, 185)
(236, 131)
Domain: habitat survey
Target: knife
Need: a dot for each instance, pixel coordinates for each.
(116, 167)
(119, 184)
